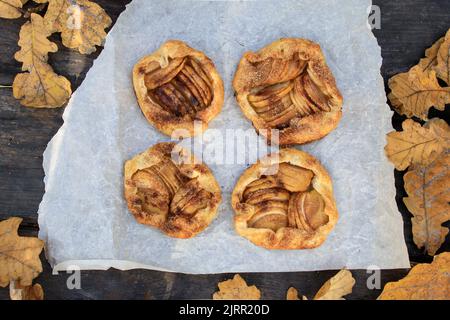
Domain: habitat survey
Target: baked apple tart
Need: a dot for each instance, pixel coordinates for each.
(288, 86)
(167, 188)
(176, 86)
(285, 201)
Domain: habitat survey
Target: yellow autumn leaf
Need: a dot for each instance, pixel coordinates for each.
(236, 289)
(82, 23)
(33, 43)
(19, 256)
(292, 294)
(428, 201)
(18, 292)
(413, 93)
(417, 144)
(40, 87)
(336, 287)
(443, 60)
(430, 61)
(10, 9)
(423, 282)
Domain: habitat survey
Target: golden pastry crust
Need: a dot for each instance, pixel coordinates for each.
(285, 201)
(288, 86)
(176, 86)
(167, 188)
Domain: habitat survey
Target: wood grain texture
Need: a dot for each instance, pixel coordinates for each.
(407, 28)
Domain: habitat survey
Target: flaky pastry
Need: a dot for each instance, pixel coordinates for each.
(285, 201)
(288, 86)
(176, 86)
(167, 188)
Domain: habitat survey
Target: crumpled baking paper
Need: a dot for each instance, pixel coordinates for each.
(83, 216)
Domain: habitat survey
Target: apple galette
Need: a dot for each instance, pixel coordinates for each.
(285, 201)
(177, 86)
(288, 86)
(167, 188)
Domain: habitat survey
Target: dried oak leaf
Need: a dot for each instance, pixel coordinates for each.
(19, 256)
(417, 144)
(18, 292)
(10, 9)
(428, 201)
(336, 287)
(443, 60)
(423, 282)
(430, 61)
(40, 87)
(414, 92)
(82, 23)
(236, 289)
(292, 294)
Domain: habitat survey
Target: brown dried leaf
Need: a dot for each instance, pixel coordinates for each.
(336, 287)
(82, 23)
(40, 87)
(18, 292)
(417, 144)
(236, 289)
(443, 60)
(33, 43)
(19, 256)
(428, 201)
(10, 9)
(413, 93)
(423, 282)
(292, 294)
(430, 61)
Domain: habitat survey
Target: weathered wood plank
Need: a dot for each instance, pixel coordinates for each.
(25, 132)
(408, 28)
(147, 284)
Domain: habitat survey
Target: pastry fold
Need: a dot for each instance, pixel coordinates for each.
(285, 201)
(177, 86)
(167, 188)
(287, 86)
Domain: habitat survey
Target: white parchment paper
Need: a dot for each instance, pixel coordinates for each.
(83, 216)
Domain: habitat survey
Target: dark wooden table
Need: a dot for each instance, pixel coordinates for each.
(408, 27)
